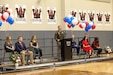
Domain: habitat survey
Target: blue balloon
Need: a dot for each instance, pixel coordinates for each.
(10, 20)
(72, 25)
(68, 20)
(72, 18)
(86, 29)
(0, 23)
(89, 26)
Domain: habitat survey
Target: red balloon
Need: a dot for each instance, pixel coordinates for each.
(87, 24)
(8, 13)
(3, 19)
(93, 27)
(69, 26)
(80, 25)
(64, 20)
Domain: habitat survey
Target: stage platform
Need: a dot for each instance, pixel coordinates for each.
(52, 64)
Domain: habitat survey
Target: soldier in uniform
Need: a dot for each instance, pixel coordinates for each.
(59, 35)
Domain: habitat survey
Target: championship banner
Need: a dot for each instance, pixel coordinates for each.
(20, 13)
(74, 13)
(99, 18)
(3, 8)
(51, 15)
(107, 18)
(91, 16)
(36, 15)
(82, 16)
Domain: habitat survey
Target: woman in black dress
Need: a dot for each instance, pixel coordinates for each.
(8, 44)
(34, 44)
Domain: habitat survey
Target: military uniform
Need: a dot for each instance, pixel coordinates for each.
(59, 35)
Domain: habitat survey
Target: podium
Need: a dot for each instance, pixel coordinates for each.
(66, 49)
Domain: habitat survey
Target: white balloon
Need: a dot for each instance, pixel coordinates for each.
(75, 21)
(91, 23)
(83, 25)
(12, 15)
(70, 16)
(5, 15)
(0, 16)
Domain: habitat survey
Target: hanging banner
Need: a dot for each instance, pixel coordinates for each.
(91, 16)
(74, 13)
(99, 18)
(51, 15)
(107, 18)
(82, 16)
(20, 13)
(36, 15)
(3, 8)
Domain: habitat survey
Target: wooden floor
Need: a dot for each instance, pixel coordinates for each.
(94, 68)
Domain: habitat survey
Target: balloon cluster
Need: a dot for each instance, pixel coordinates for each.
(87, 26)
(6, 16)
(72, 21)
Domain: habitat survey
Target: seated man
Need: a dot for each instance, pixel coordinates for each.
(21, 48)
(74, 45)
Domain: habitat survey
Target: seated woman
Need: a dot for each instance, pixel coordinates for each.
(34, 44)
(85, 46)
(74, 45)
(8, 44)
(96, 45)
(10, 48)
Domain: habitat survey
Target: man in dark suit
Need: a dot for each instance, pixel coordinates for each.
(21, 48)
(74, 44)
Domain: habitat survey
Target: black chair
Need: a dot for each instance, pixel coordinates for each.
(34, 53)
(4, 55)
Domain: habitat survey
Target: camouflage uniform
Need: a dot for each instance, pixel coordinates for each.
(59, 35)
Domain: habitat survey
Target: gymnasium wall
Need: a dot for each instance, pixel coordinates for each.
(63, 8)
(46, 31)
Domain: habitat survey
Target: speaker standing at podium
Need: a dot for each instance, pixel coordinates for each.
(59, 35)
